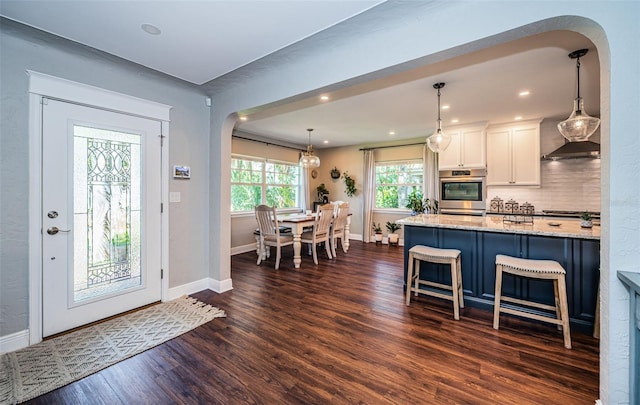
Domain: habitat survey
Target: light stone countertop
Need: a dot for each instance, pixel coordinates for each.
(567, 228)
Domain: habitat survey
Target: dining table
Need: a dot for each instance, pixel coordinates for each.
(297, 222)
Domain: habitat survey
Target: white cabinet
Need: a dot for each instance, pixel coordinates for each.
(467, 149)
(513, 154)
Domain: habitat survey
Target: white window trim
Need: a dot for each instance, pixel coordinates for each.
(399, 210)
(43, 85)
(247, 214)
(240, 214)
(402, 211)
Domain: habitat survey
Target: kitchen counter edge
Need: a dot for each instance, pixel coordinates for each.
(562, 228)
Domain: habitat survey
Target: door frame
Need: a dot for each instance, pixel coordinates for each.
(43, 85)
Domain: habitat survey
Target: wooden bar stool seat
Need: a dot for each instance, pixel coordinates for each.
(435, 255)
(537, 269)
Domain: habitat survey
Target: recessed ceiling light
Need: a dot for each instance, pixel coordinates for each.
(524, 93)
(324, 98)
(151, 29)
(392, 133)
(518, 117)
(325, 141)
(445, 107)
(454, 121)
(243, 118)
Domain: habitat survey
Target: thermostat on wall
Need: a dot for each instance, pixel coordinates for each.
(181, 172)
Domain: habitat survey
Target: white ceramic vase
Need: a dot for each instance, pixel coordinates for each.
(393, 238)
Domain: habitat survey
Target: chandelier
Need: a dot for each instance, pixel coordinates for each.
(439, 140)
(579, 126)
(308, 159)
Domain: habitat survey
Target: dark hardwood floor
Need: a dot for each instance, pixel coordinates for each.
(339, 332)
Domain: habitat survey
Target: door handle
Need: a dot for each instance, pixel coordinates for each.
(54, 229)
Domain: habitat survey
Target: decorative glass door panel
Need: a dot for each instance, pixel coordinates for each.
(107, 210)
(101, 216)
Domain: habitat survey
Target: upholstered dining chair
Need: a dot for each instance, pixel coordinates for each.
(270, 233)
(337, 228)
(321, 231)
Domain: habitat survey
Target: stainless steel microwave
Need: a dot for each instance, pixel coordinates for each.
(463, 191)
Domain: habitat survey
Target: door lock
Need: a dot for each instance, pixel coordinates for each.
(54, 230)
(52, 214)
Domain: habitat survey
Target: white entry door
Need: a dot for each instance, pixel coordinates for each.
(101, 219)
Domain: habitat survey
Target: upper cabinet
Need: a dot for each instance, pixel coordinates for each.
(467, 149)
(513, 154)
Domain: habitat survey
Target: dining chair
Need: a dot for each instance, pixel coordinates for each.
(336, 205)
(270, 233)
(321, 231)
(337, 228)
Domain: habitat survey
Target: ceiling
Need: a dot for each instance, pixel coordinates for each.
(480, 87)
(205, 39)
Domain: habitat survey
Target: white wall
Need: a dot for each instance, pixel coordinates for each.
(414, 33)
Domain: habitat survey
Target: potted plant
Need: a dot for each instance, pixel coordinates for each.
(349, 184)
(322, 192)
(416, 203)
(335, 173)
(377, 230)
(392, 227)
(586, 220)
(120, 243)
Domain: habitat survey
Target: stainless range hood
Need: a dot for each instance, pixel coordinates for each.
(575, 150)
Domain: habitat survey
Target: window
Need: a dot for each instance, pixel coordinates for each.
(256, 181)
(395, 181)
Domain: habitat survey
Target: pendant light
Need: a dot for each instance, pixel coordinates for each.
(308, 159)
(439, 141)
(579, 126)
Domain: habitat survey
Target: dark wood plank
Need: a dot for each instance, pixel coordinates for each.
(339, 332)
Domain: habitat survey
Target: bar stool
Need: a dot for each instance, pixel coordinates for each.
(538, 269)
(434, 255)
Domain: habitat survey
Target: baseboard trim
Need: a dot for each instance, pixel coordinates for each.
(14, 341)
(189, 288)
(243, 249)
(385, 241)
(200, 285)
(220, 286)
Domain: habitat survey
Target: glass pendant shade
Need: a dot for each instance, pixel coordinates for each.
(308, 159)
(439, 141)
(579, 126)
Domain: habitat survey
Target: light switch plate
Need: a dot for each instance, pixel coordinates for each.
(174, 196)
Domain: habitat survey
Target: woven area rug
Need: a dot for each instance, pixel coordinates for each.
(38, 369)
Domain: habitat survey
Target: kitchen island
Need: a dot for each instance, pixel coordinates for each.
(481, 238)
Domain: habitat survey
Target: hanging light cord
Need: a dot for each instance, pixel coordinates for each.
(578, 67)
(439, 120)
(309, 147)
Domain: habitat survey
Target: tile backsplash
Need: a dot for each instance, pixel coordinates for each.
(568, 185)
